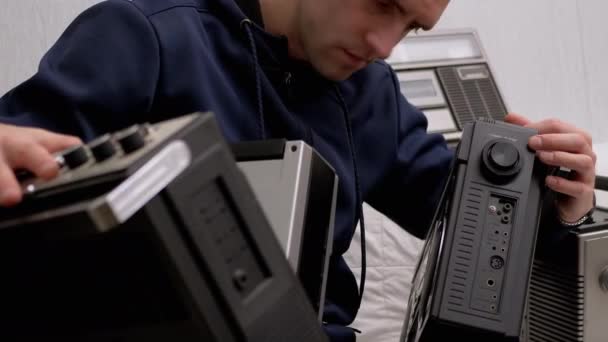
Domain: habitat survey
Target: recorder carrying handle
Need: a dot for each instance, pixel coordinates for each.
(601, 183)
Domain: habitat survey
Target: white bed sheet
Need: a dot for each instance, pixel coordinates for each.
(391, 258)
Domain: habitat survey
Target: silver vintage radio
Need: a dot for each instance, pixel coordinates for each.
(446, 74)
(568, 294)
(298, 190)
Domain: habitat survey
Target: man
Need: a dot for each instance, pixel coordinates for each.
(297, 69)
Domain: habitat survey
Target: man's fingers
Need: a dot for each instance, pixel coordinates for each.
(517, 119)
(54, 142)
(32, 157)
(568, 142)
(10, 191)
(30, 149)
(581, 163)
(557, 126)
(23, 154)
(571, 188)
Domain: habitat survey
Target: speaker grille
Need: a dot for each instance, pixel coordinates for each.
(556, 300)
(471, 93)
(461, 268)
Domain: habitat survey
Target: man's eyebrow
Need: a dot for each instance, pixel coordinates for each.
(404, 12)
(399, 6)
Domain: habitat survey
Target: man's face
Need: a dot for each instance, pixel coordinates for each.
(339, 37)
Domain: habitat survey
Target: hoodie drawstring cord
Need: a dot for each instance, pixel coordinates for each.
(246, 24)
(351, 146)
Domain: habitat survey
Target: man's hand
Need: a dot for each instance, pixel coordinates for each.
(563, 145)
(30, 149)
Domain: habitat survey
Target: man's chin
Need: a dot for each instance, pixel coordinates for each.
(338, 74)
(340, 78)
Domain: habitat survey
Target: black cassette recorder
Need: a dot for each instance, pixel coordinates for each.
(148, 234)
(472, 277)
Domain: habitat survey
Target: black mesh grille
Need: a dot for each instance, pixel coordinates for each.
(472, 98)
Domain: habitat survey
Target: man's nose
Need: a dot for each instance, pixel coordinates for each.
(381, 44)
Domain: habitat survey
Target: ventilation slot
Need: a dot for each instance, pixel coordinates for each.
(556, 301)
(463, 256)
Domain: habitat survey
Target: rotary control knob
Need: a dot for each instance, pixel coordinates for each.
(102, 147)
(604, 279)
(503, 155)
(75, 156)
(501, 160)
(131, 139)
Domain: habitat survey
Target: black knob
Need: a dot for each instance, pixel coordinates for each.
(102, 147)
(239, 278)
(131, 139)
(501, 160)
(604, 279)
(75, 156)
(503, 155)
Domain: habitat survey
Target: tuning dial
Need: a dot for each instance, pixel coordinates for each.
(102, 147)
(75, 156)
(501, 160)
(131, 139)
(503, 155)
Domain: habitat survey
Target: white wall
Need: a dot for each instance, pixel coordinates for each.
(548, 55)
(27, 29)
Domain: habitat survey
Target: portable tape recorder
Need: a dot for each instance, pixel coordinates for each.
(472, 278)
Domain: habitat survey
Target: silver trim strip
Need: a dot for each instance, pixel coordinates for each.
(137, 190)
(439, 34)
(455, 136)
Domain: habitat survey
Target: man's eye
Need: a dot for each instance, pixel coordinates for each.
(384, 4)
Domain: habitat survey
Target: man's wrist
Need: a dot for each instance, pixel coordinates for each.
(574, 224)
(587, 218)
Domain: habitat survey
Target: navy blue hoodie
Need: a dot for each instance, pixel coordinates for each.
(122, 62)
